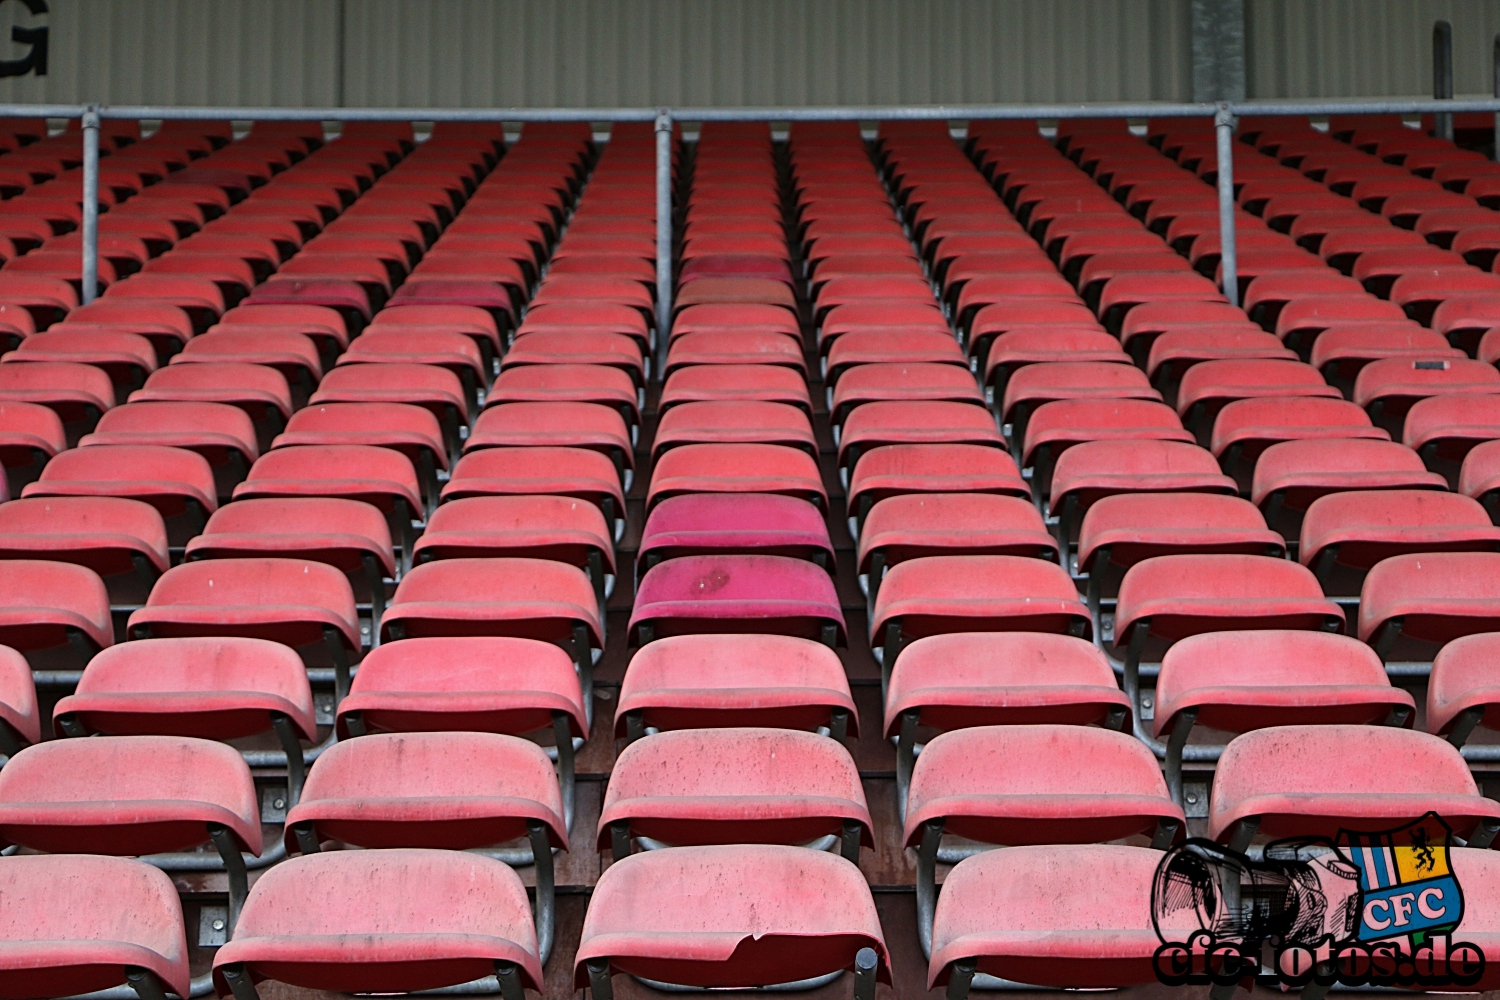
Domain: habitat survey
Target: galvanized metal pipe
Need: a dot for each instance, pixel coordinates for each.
(1442, 77)
(90, 234)
(663, 240)
(1228, 258)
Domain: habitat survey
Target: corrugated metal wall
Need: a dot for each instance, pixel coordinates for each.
(726, 52)
(1364, 48)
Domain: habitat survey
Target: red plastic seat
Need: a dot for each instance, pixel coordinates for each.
(78, 924)
(741, 786)
(568, 384)
(1033, 385)
(729, 916)
(53, 610)
(1391, 387)
(736, 347)
(754, 680)
(1443, 429)
(1237, 682)
(127, 358)
(916, 525)
(1461, 692)
(1345, 534)
(178, 483)
(1208, 387)
(1168, 598)
(525, 598)
(931, 468)
(20, 723)
(1293, 474)
(729, 382)
(130, 795)
(891, 346)
(261, 392)
(124, 541)
(414, 920)
(296, 602)
(78, 393)
(1410, 603)
(222, 434)
(208, 688)
(739, 422)
(1080, 784)
(200, 298)
(916, 382)
(1040, 915)
(167, 326)
(576, 472)
(901, 422)
(737, 593)
(294, 355)
(736, 468)
(939, 594)
(555, 425)
(30, 434)
(1278, 782)
(1093, 470)
(402, 427)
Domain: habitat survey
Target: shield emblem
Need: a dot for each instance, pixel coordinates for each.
(1406, 885)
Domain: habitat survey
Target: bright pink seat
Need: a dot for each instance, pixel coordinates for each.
(737, 593)
(741, 786)
(1279, 783)
(718, 681)
(413, 920)
(744, 915)
(78, 924)
(734, 524)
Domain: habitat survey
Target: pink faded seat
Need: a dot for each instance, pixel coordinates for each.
(571, 347)
(47, 606)
(1390, 388)
(915, 382)
(350, 535)
(737, 422)
(1237, 682)
(78, 393)
(1345, 534)
(130, 795)
(736, 468)
(1208, 387)
(963, 679)
(720, 382)
(1168, 598)
(572, 472)
(410, 920)
(1291, 475)
(1304, 781)
(928, 524)
(1057, 915)
(888, 345)
(737, 593)
(263, 393)
(1124, 529)
(445, 790)
(295, 602)
(1479, 477)
(901, 422)
(1462, 692)
(729, 680)
(1034, 385)
(402, 427)
(938, 594)
(734, 524)
(567, 384)
(78, 924)
(1417, 601)
(1079, 785)
(30, 434)
(1089, 472)
(736, 347)
(524, 598)
(20, 723)
(1443, 429)
(740, 786)
(177, 482)
(745, 915)
(124, 541)
(555, 425)
(893, 470)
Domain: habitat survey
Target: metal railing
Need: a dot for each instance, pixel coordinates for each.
(1224, 116)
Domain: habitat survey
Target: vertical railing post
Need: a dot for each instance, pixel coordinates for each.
(90, 205)
(1495, 59)
(663, 239)
(1228, 259)
(1442, 77)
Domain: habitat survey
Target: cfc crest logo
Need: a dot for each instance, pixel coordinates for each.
(1367, 909)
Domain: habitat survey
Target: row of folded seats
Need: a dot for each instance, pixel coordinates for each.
(992, 626)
